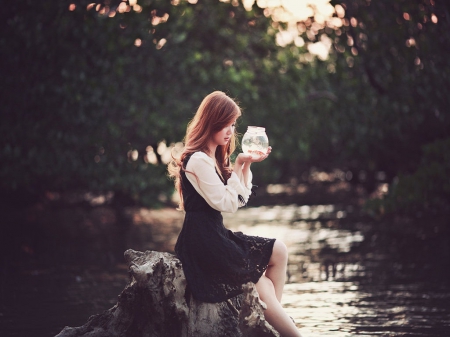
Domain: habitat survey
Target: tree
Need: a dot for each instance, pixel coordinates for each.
(393, 57)
(92, 91)
(88, 84)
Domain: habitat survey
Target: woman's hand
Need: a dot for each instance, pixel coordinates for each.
(252, 158)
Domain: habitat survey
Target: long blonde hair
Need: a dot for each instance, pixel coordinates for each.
(216, 111)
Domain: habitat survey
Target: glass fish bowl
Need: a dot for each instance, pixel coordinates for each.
(255, 141)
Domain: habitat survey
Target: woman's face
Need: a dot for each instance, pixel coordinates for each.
(223, 136)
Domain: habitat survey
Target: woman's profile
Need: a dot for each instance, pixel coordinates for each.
(215, 260)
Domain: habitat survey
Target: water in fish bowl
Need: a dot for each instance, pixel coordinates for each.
(255, 141)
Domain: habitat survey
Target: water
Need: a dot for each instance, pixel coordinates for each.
(337, 287)
(346, 309)
(339, 283)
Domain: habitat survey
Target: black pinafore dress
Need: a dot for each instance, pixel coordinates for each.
(215, 260)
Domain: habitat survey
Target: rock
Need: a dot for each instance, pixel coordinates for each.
(155, 304)
(251, 317)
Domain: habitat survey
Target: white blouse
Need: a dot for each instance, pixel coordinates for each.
(201, 173)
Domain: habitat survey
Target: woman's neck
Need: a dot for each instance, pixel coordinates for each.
(212, 150)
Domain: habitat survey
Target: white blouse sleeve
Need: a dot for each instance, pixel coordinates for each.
(201, 173)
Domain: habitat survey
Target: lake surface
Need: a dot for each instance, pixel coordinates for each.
(340, 281)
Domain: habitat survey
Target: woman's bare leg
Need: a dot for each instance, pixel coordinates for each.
(276, 271)
(275, 314)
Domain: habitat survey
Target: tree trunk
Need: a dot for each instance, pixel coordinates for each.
(155, 304)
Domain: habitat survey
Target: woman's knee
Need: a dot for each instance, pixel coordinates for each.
(279, 253)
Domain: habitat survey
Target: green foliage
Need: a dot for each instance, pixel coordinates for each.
(391, 91)
(81, 90)
(72, 110)
(393, 75)
(427, 190)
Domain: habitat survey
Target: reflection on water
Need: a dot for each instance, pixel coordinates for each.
(346, 309)
(330, 290)
(41, 302)
(318, 249)
(336, 286)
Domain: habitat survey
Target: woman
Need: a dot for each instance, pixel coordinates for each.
(216, 261)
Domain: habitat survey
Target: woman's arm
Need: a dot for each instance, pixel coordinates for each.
(201, 172)
(242, 170)
(246, 173)
(243, 163)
